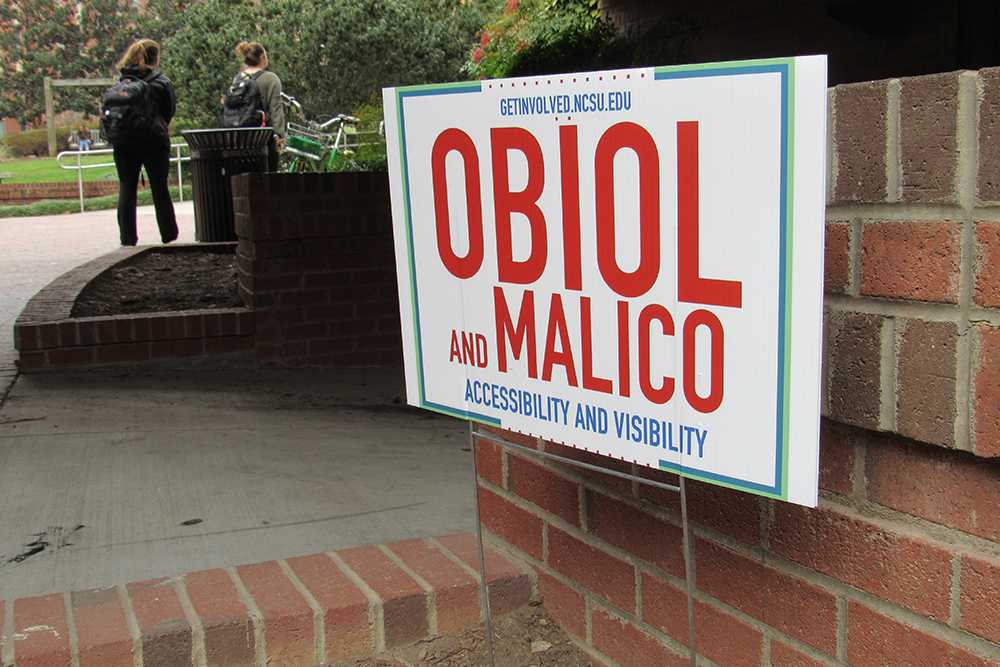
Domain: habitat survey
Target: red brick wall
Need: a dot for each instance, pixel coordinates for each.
(24, 192)
(900, 563)
(316, 264)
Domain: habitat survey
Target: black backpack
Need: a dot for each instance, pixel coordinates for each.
(242, 106)
(128, 111)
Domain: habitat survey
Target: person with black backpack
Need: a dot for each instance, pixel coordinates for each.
(254, 98)
(135, 115)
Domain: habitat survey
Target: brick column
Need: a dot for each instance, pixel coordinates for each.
(316, 264)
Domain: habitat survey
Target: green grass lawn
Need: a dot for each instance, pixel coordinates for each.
(45, 170)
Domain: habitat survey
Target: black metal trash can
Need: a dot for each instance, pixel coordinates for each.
(216, 156)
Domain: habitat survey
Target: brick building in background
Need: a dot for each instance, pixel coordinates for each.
(900, 563)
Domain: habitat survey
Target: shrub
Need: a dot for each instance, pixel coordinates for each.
(535, 37)
(372, 156)
(331, 56)
(542, 37)
(36, 142)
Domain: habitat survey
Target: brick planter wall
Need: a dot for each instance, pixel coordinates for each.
(319, 609)
(25, 192)
(47, 337)
(900, 563)
(316, 264)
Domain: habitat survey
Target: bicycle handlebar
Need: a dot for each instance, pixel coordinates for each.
(339, 118)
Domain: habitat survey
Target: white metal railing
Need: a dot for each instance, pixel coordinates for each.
(79, 166)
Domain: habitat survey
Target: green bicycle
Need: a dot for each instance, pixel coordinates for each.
(324, 146)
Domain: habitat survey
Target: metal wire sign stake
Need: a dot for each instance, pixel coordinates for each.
(607, 260)
(689, 573)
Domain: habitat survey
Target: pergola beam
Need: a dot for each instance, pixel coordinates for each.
(50, 106)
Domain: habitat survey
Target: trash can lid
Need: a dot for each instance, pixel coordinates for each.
(228, 138)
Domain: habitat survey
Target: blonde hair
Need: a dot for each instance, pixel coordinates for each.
(251, 53)
(144, 53)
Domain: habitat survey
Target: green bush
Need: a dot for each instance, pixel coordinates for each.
(542, 37)
(372, 156)
(332, 56)
(178, 125)
(534, 37)
(36, 142)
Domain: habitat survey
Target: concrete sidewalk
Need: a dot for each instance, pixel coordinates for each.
(114, 476)
(34, 251)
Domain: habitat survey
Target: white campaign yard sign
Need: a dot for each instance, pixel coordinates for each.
(629, 262)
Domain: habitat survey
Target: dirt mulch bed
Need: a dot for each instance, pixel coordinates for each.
(526, 638)
(163, 281)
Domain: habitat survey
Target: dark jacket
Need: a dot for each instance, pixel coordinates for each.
(162, 91)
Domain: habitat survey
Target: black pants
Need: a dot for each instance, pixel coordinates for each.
(156, 159)
(272, 154)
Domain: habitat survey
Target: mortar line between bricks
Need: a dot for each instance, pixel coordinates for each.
(430, 595)
(133, 625)
(854, 246)
(934, 312)
(74, 638)
(859, 483)
(889, 357)
(376, 611)
(890, 212)
(894, 212)
(259, 631)
(765, 657)
(198, 652)
(917, 527)
(955, 610)
(965, 177)
(454, 559)
(893, 166)
(637, 573)
(319, 626)
(984, 316)
(842, 627)
(832, 154)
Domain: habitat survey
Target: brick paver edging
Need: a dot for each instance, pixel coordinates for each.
(45, 335)
(298, 612)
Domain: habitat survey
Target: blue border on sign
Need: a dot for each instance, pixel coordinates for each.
(779, 455)
(781, 68)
